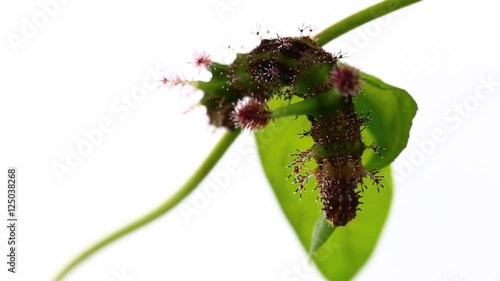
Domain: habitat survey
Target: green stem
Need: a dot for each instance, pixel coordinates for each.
(360, 18)
(182, 193)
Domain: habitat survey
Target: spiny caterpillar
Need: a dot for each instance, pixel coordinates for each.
(287, 67)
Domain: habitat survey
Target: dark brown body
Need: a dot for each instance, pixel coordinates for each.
(337, 150)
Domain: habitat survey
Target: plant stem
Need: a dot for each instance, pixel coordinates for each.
(203, 170)
(360, 18)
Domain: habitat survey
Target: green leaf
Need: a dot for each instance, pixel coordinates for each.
(391, 112)
(322, 231)
(344, 253)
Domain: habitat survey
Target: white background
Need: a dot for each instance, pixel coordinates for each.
(67, 74)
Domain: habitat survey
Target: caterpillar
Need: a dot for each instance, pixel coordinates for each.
(286, 67)
(337, 150)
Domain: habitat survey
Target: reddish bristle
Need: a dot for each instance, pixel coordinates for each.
(251, 114)
(346, 80)
(202, 60)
